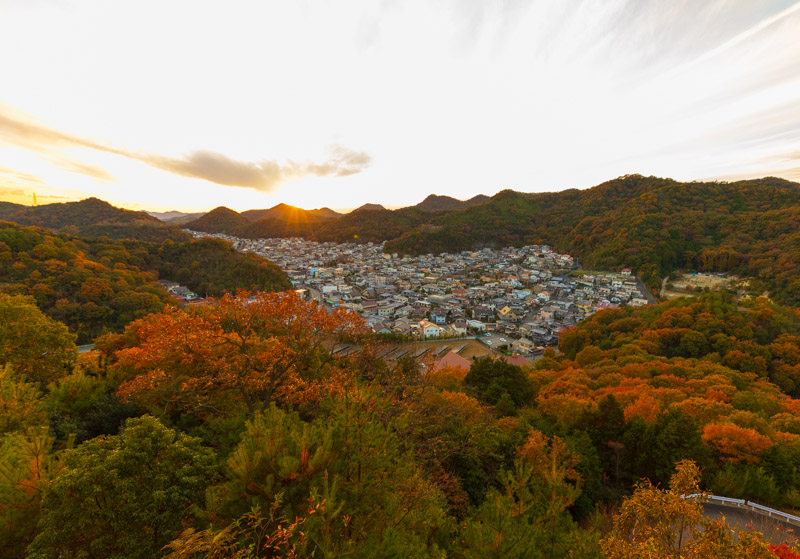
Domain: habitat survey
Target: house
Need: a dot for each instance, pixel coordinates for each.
(429, 329)
(508, 315)
(523, 345)
(459, 326)
(439, 316)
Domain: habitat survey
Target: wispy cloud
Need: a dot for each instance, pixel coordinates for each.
(75, 166)
(264, 175)
(13, 176)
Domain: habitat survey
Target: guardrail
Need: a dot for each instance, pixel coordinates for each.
(747, 505)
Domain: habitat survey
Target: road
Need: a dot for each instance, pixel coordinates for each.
(646, 292)
(774, 530)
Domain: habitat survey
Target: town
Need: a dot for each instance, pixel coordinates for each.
(513, 299)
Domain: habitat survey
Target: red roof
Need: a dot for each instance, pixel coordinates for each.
(454, 360)
(517, 360)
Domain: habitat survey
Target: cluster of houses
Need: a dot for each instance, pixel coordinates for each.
(180, 293)
(527, 294)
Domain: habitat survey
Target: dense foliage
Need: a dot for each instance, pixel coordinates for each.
(99, 285)
(649, 224)
(234, 429)
(263, 443)
(92, 218)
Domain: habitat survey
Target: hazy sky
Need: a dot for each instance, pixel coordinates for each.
(189, 105)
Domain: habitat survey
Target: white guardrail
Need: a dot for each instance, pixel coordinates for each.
(747, 505)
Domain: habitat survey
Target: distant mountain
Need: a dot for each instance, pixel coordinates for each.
(369, 207)
(434, 203)
(92, 218)
(219, 220)
(166, 216)
(289, 213)
(176, 217)
(327, 213)
(181, 220)
(650, 224)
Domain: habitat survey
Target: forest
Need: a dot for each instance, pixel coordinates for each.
(93, 218)
(230, 430)
(651, 225)
(99, 285)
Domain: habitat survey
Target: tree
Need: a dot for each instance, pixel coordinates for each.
(252, 348)
(123, 496)
(375, 501)
(27, 467)
(32, 343)
(492, 378)
(736, 444)
(655, 523)
(527, 516)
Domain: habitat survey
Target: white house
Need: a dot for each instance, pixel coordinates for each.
(429, 329)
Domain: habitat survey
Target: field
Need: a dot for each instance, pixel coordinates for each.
(689, 284)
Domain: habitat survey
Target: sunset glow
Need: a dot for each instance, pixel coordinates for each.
(190, 105)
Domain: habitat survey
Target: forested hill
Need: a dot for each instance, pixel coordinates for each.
(435, 203)
(650, 224)
(93, 218)
(97, 285)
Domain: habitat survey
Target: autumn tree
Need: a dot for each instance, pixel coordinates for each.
(656, 523)
(27, 463)
(527, 515)
(256, 348)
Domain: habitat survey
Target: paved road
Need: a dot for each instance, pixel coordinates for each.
(646, 292)
(774, 530)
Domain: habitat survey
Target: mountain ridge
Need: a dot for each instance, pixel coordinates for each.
(92, 217)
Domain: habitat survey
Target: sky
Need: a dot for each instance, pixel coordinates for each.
(189, 105)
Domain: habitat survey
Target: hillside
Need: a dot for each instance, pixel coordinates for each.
(97, 285)
(218, 220)
(176, 217)
(369, 207)
(289, 213)
(435, 203)
(92, 218)
(649, 224)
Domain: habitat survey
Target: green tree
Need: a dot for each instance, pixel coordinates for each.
(124, 495)
(376, 501)
(527, 515)
(492, 378)
(32, 343)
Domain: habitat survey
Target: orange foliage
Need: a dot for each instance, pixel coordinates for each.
(446, 377)
(736, 444)
(645, 407)
(250, 347)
